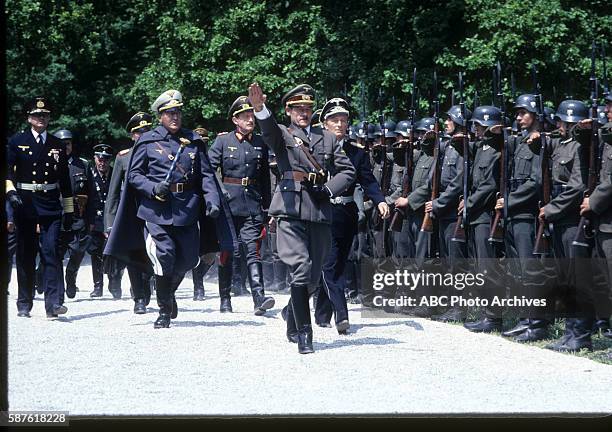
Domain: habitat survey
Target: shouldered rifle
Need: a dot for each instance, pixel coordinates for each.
(496, 234)
(585, 227)
(427, 225)
(399, 214)
(462, 220)
(542, 240)
(605, 71)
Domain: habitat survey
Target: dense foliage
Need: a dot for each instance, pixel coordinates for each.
(100, 61)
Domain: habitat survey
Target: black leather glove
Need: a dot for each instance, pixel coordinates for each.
(319, 192)
(67, 222)
(212, 210)
(161, 190)
(14, 199)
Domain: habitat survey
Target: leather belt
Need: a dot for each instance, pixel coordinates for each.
(344, 200)
(244, 181)
(36, 187)
(302, 176)
(180, 187)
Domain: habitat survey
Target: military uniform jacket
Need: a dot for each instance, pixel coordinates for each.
(98, 191)
(246, 159)
(420, 187)
(77, 168)
(484, 182)
(115, 187)
(601, 198)
(364, 173)
(524, 179)
(451, 183)
(153, 155)
(30, 162)
(290, 199)
(569, 174)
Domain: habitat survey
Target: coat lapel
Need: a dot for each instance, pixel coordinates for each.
(316, 133)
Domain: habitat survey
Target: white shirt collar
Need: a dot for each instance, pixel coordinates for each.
(43, 135)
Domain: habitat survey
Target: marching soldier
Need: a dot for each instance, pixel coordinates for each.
(98, 178)
(198, 273)
(444, 207)
(331, 297)
(38, 176)
(138, 124)
(161, 212)
(75, 241)
(314, 169)
(242, 158)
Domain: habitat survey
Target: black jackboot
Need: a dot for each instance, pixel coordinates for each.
(301, 313)
(280, 276)
(114, 287)
(198, 280)
(580, 335)
(261, 303)
(287, 314)
(163, 285)
(225, 286)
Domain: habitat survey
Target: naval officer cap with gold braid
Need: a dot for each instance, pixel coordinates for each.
(167, 100)
(300, 95)
(38, 105)
(241, 104)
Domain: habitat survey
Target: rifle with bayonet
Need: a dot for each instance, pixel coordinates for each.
(387, 166)
(462, 219)
(496, 234)
(585, 227)
(542, 240)
(399, 214)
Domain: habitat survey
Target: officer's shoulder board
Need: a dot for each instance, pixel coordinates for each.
(124, 152)
(356, 144)
(222, 133)
(85, 161)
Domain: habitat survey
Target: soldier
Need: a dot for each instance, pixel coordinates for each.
(569, 172)
(314, 169)
(198, 273)
(484, 179)
(335, 115)
(170, 181)
(410, 238)
(242, 158)
(522, 210)
(138, 124)
(599, 203)
(98, 179)
(444, 207)
(75, 240)
(37, 176)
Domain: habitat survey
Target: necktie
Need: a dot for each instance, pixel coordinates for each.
(306, 133)
(39, 139)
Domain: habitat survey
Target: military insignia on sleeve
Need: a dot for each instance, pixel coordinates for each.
(298, 141)
(171, 157)
(24, 148)
(192, 155)
(160, 151)
(231, 148)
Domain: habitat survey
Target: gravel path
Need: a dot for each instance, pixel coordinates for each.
(106, 360)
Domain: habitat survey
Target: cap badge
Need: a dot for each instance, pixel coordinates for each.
(40, 104)
(570, 112)
(486, 117)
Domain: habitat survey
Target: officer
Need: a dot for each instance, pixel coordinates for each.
(314, 169)
(242, 158)
(523, 196)
(98, 179)
(198, 273)
(37, 176)
(335, 114)
(444, 207)
(170, 181)
(599, 204)
(483, 181)
(138, 124)
(75, 240)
